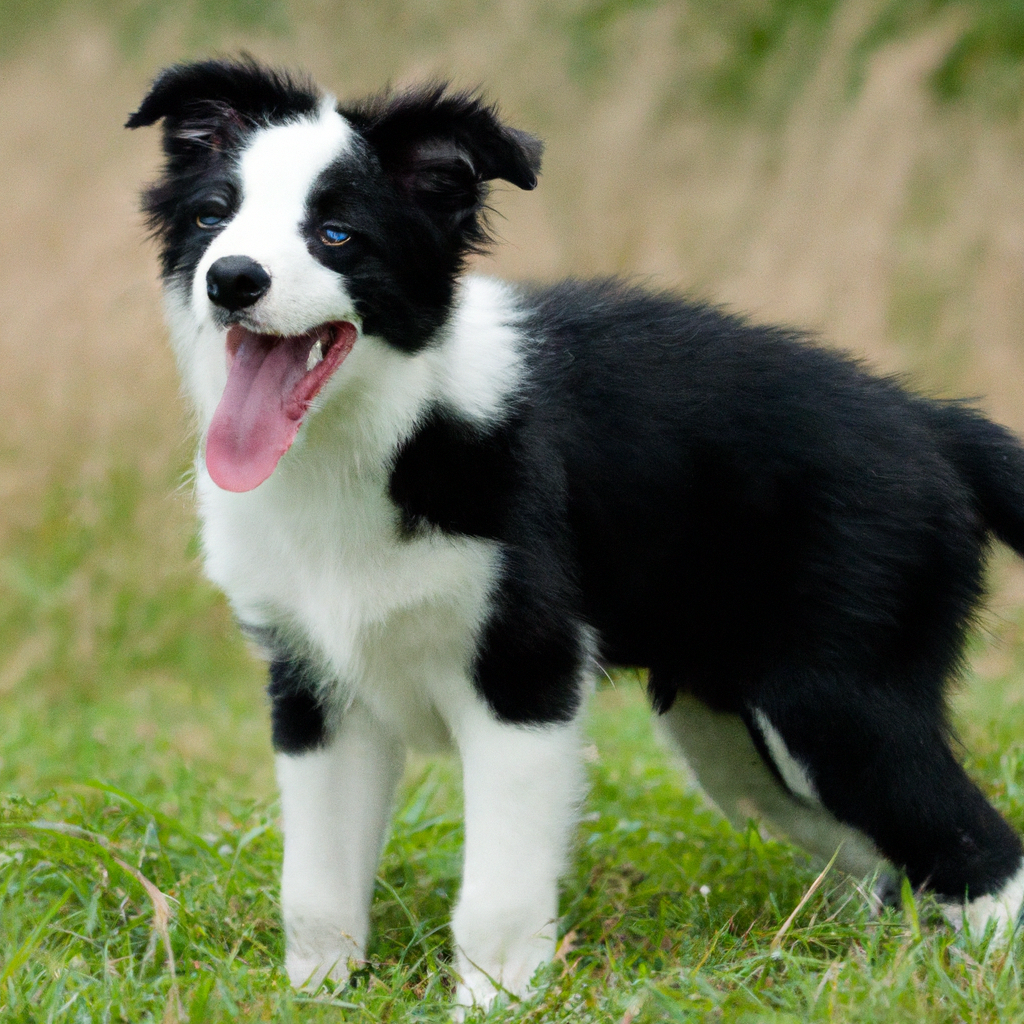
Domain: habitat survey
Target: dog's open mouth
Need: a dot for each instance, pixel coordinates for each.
(271, 381)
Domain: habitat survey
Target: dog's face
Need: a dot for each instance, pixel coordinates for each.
(291, 228)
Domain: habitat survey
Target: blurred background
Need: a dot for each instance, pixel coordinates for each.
(855, 168)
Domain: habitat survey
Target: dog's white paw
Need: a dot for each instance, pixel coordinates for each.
(1003, 908)
(474, 989)
(319, 954)
(482, 984)
(308, 973)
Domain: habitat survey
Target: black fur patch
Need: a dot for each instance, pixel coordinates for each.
(440, 147)
(739, 500)
(297, 720)
(530, 659)
(456, 476)
(880, 760)
(401, 294)
(235, 91)
(413, 197)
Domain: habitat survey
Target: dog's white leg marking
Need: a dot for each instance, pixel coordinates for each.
(793, 772)
(725, 763)
(1004, 908)
(522, 787)
(336, 804)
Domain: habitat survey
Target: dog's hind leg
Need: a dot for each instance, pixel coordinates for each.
(336, 801)
(878, 758)
(725, 762)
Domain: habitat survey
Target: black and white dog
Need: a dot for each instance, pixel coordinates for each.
(440, 502)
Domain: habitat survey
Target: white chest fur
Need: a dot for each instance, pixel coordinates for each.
(393, 620)
(315, 551)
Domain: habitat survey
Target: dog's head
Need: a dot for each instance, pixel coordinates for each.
(290, 227)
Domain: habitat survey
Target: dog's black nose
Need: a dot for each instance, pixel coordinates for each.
(235, 282)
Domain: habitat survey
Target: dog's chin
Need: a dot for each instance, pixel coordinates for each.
(272, 379)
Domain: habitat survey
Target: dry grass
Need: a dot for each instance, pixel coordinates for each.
(892, 226)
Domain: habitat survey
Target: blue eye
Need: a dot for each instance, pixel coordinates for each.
(330, 235)
(209, 220)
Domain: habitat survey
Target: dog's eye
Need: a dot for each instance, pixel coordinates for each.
(331, 234)
(209, 220)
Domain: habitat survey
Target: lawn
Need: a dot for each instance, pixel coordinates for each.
(140, 848)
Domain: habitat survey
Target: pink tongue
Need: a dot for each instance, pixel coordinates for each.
(255, 423)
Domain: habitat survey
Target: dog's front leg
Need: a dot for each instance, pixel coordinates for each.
(522, 788)
(336, 803)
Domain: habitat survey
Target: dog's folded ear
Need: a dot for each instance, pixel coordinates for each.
(201, 102)
(442, 146)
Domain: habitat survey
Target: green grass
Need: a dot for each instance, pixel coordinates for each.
(753, 56)
(140, 832)
(202, 21)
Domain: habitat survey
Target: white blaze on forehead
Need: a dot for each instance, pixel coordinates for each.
(281, 163)
(277, 170)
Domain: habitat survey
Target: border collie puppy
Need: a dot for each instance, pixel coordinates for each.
(439, 502)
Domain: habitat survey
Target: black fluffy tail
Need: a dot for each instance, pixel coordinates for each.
(991, 459)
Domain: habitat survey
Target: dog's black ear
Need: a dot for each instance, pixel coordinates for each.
(203, 102)
(442, 147)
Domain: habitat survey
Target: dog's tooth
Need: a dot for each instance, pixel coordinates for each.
(316, 355)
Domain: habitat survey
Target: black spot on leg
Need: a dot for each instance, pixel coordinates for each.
(529, 660)
(297, 721)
